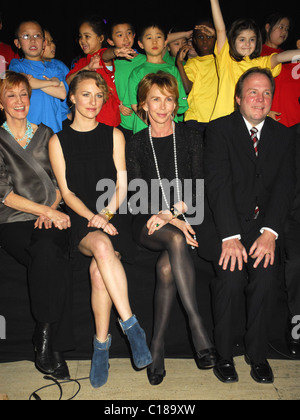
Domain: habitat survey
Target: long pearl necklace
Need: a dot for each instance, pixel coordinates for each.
(28, 134)
(176, 172)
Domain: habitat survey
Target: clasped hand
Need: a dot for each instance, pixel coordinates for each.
(233, 252)
(156, 222)
(100, 221)
(60, 220)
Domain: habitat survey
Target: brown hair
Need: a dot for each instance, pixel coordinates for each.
(254, 70)
(165, 82)
(235, 30)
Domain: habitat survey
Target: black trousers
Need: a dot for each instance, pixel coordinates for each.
(292, 266)
(252, 286)
(44, 253)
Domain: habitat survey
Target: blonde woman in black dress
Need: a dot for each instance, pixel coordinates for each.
(81, 156)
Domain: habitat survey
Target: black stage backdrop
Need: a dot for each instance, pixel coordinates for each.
(61, 17)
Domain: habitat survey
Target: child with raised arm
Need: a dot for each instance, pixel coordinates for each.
(46, 79)
(237, 53)
(153, 41)
(199, 76)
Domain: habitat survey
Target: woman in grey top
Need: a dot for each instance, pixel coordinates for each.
(33, 229)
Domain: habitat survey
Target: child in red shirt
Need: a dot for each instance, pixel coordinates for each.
(91, 38)
(6, 53)
(286, 106)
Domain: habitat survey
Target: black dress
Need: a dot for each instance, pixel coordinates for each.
(89, 159)
(141, 165)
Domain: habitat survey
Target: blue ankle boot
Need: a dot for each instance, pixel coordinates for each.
(137, 339)
(100, 365)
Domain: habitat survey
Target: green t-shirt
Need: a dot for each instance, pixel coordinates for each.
(123, 71)
(133, 83)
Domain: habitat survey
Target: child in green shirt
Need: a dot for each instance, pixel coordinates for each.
(122, 34)
(153, 41)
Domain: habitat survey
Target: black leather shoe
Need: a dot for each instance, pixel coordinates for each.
(156, 378)
(206, 359)
(42, 348)
(261, 372)
(292, 343)
(61, 370)
(225, 371)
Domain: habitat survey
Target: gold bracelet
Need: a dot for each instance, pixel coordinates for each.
(109, 214)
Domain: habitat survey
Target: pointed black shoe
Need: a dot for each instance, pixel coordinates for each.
(61, 370)
(42, 348)
(206, 359)
(156, 378)
(261, 372)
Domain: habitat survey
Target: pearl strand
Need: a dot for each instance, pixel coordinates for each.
(176, 172)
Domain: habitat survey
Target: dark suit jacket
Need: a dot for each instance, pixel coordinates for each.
(237, 181)
(295, 213)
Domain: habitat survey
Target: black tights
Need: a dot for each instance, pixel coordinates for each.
(175, 272)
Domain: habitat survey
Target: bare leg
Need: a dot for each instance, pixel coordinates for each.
(99, 246)
(101, 303)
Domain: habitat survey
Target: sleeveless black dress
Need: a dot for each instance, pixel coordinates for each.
(89, 159)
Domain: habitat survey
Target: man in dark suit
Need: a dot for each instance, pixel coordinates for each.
(249, 173)
(292, 263)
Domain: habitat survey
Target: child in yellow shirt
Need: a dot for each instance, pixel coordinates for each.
(200, 77)
(237, 54)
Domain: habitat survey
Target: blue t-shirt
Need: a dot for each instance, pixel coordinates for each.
(43, 108)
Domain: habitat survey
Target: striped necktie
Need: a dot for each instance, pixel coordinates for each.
(254, 138)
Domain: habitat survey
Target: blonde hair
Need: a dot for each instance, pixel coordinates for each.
(87, 75)
(165, 82)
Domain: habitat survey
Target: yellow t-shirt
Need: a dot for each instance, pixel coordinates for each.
(229, 73)
(202, 72)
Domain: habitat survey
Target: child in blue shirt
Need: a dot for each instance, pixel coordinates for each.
(49, 88)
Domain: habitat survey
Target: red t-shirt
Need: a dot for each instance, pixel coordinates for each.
(7, 52)
(110, 113)
(287, 93)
